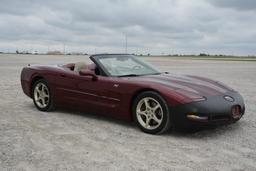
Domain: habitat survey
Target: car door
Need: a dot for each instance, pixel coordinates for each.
(109, 99)
(77, 90)
(84, 92)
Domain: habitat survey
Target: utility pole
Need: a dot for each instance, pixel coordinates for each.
(64, 48)
(125, 43)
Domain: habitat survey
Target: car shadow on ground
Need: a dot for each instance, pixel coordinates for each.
(207, 131)
(100, 117)
(196, 132)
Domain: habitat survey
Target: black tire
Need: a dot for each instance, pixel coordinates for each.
(50, 102)
(165, 124)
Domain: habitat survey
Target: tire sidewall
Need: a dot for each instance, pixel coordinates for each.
(165, 125)
(50, 104)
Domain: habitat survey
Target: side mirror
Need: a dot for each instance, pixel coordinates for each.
(86, 72)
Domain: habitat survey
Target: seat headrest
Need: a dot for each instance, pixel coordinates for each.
(79, 66)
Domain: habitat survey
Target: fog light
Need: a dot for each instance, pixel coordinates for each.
(236, 111)
(198, 118)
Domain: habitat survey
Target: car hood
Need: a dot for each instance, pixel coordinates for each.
(187, 85)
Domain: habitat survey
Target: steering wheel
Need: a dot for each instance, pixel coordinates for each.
(112, 70)
(136, 67)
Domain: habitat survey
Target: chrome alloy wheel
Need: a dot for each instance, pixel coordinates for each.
(149, 113)
(41, 95)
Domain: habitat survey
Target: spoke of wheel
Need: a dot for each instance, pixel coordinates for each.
(146, 103)
(156, 107)
(44, 88)
(37, 90)
(38, 98)
(40, 87)
(43, 101)
(46, 95)
(147, 122)
(141, 113)
(156, 119)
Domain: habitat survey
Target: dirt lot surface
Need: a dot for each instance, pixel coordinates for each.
(68, 140)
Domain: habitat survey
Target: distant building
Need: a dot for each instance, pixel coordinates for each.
(35, 53)
(203, 54)
(54, 53)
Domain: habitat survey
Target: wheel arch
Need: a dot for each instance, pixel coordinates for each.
(34, 79)
(136, 94)
(168, 121)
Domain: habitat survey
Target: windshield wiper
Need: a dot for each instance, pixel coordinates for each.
(129, 75)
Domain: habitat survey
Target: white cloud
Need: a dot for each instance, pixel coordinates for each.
(167, 26)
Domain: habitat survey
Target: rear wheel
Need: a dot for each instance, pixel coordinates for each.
(151, 113)
(42, 96)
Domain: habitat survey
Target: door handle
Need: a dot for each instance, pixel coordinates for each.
(63, 75)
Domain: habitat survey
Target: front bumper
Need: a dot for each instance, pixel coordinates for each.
(216, 110)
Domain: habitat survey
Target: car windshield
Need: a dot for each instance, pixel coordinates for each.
(126, 65)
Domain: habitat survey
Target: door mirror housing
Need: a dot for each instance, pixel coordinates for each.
(86, 72)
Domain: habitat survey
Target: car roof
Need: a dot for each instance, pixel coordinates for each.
(109, 54)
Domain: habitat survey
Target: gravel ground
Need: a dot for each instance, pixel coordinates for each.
(69, 140)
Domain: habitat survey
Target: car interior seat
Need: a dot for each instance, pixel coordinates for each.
(93, 68)
(79, 66)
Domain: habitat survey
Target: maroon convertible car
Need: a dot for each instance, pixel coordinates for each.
(124, 86)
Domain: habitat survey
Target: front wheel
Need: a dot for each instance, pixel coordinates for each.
(42, 96)
(151, 113)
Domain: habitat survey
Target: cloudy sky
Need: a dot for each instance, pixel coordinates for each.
(151, 26)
